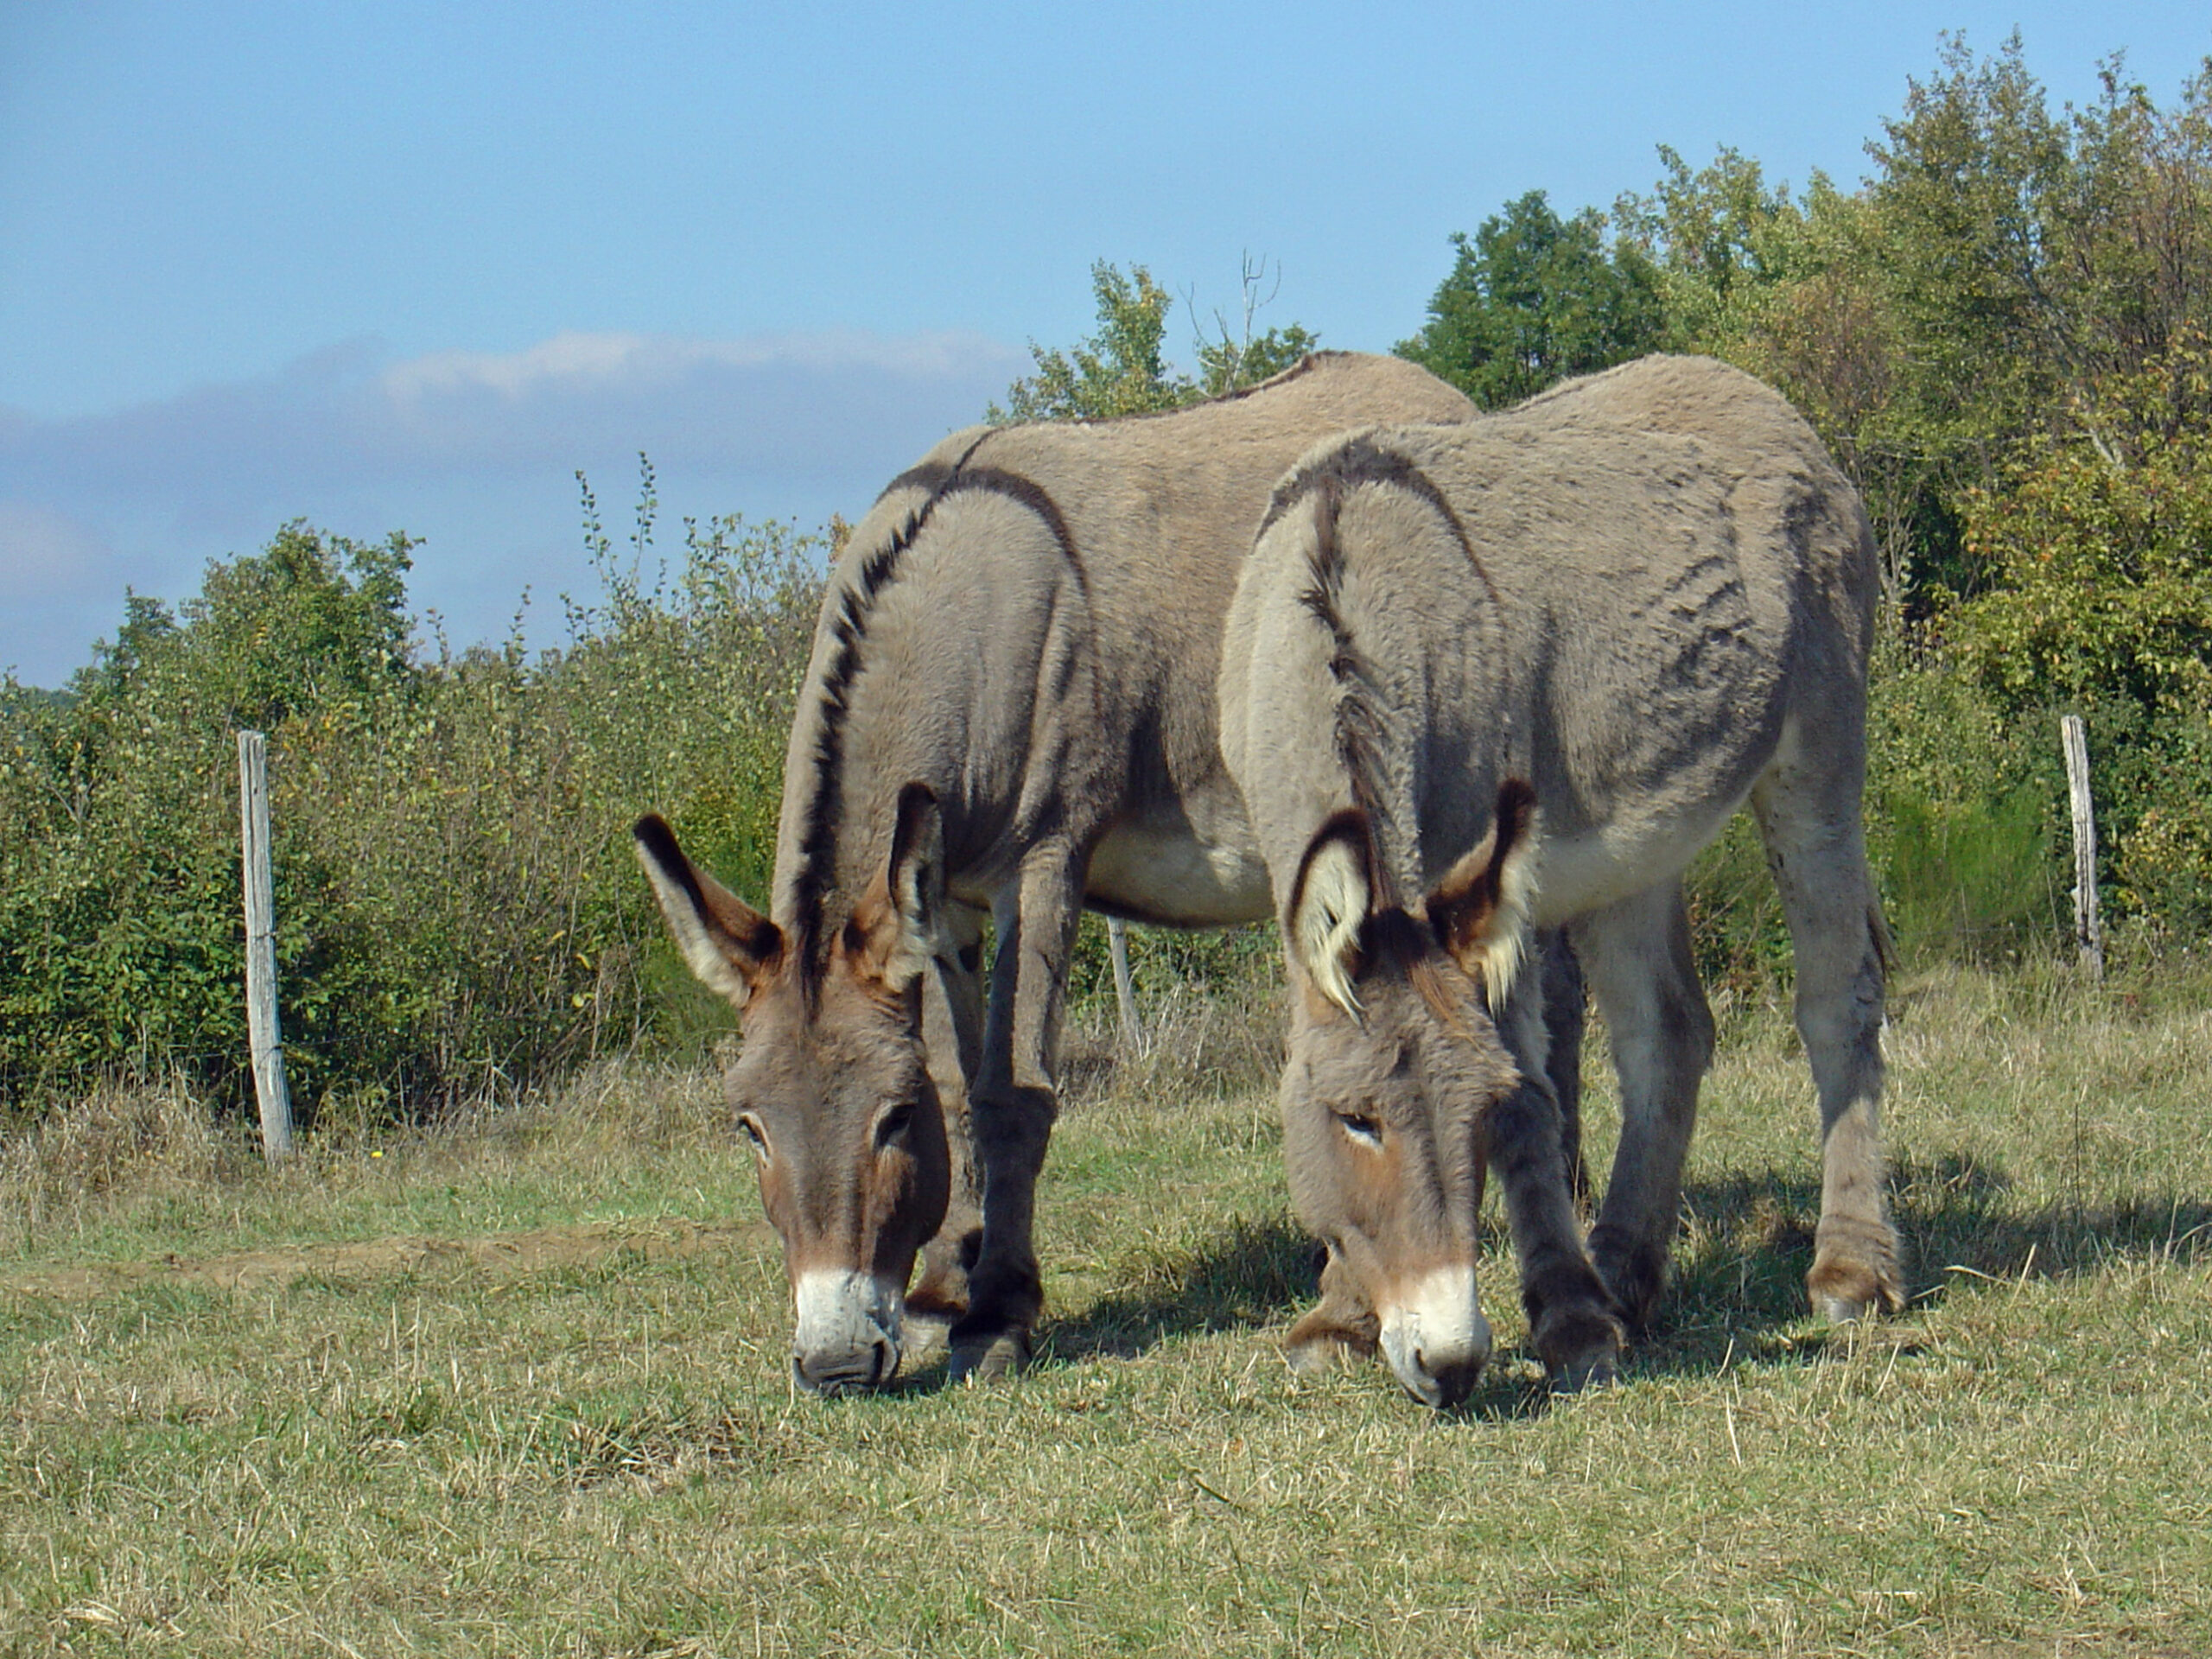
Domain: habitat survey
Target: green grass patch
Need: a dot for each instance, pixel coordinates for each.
(554, 1419)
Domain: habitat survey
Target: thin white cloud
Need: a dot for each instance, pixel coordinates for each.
(797, 406)
(817, 405)
(447, 446)
(625, 363)
(46, 554)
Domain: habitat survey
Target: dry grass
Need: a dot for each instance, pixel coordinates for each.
(125, 1142)
(486, 1452)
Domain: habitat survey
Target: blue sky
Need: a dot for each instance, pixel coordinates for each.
(407, 266)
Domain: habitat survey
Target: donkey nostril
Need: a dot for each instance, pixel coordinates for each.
(1454, 1383)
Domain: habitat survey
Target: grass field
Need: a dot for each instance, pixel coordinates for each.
(518, 1387)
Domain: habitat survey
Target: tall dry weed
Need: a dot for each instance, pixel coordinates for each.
(1211, 1042)
(627, 1107)
(127, 1138)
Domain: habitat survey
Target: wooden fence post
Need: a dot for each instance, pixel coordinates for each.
(1125, 994)
(2088, 928)
(262, 1029)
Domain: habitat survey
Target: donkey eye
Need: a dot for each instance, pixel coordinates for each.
(893, 1124)
(751, 1125)
(1361, 1128)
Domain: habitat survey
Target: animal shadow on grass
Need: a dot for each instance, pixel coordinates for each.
(1737, 1281)
(1254, 1273)
(1251, 1276)
(1736, 1289)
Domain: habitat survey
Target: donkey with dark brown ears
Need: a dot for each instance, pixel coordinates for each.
(1513, 675)
(1009, 713)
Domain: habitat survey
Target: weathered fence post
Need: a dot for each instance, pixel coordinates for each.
(2088, 929)
(262, 1033)
(1125, 994)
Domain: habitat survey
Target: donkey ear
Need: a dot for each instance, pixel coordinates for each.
(899, 924)
(731, 946)
(1329, 901)
(1481, 911)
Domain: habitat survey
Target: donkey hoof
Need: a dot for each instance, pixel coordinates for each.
(1598, 1370)
(1322, 1356)
(1579, 1345)
(988, 1359)
(1844, 1310)
(1848, 1291)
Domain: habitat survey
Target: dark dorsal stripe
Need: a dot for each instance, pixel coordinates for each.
(959, 479)
(930, 475)
(818, 863)
(1031, 494)
(1360, 460)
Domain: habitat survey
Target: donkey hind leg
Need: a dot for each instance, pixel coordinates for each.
(1012, 1107)
(1817, 850)
(1637, 953)
(952, 1031)
(1573, 1327)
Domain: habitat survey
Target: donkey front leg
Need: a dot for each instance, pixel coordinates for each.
(1572, 1327)
(1563, 1021)
(952, 1032)
(1012, 1106)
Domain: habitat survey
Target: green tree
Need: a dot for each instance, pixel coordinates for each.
(2099, 603)
(119, 928)
(1532, 299)
(457, 906)
(2025, 262)
(1123, 368)
(2101, 588)
(1723, 242)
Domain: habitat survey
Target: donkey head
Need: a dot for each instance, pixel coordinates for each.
(1393, 1066)
(831, 1088)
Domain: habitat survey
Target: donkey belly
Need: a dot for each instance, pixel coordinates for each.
(1588, 870)
(1163, 867)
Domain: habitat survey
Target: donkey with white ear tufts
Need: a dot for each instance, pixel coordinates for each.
(1575, 638)
(1009, 713)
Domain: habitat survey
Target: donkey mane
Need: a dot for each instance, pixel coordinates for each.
(817, 865)
(818, 842)
(1362, 719)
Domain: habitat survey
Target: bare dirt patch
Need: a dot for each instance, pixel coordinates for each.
(499, 1254)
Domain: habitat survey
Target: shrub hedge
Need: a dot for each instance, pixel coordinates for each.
(459, 910)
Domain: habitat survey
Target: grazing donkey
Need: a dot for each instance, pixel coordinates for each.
(1619, 611)
(1009, 711)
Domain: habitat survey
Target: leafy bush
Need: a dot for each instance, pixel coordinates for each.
(1964, 812)
(456, 902)
(2101, 549)
(120, 937)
